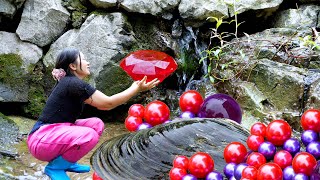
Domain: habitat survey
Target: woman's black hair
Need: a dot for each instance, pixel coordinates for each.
(65, 58)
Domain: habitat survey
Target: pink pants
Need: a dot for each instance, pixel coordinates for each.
(71, 141)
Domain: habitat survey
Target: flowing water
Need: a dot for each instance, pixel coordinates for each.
(26, 167)
(191, 51)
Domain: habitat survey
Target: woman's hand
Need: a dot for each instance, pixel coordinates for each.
(142, 85)
(104, 102)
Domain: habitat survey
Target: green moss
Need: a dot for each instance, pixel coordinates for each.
(78, 18)
(99, 12)
(5, 162)
(116, 83)
(36, 103)
(188, 63)
(77, 5)
(36, 95)
(144, 33)
(78, 9)
(135, 47)
(12, 166)
(11, 72)
(22, 147)
(6, 118)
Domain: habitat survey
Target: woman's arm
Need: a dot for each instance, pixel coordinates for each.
(104, 102)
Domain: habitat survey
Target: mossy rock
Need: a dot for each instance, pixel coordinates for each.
(11, 72)
(36, 103)
(113, 80)
(79, 11)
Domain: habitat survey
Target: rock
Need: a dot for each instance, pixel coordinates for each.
(42, 22)
(149, 153)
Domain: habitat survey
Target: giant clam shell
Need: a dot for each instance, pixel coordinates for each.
(148, 154)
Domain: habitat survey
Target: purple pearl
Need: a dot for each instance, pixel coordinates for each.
(267, 149)
(246, 157)
(315, 177)
(214, 175)
(221, 106)
(292, 145)
(309, 136)
(238, 170)
(316, 172)
(229, 169)
(167, 121)
(189, 177)
(144, 126)
(300, 176)
(288, 173)
(314, 149)
(187, 114)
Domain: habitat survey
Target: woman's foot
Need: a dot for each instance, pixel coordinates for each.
(78, 168)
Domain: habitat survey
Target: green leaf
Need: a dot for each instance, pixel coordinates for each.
(316, 46)
(239, 24)
(223, 66)
(232, 21)
(211, 79)
(216, 53)
(202, 59)
(209, 67)
(215, 18)
(219, 22)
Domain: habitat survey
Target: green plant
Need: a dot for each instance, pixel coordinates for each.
(228, 55)
(215, 55)
(308, 41)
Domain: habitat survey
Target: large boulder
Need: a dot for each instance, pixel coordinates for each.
(42, 21)
(162, 8)
(282, 84)
(195, 12)
(304, 17)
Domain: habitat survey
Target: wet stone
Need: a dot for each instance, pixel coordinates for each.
(149, 153)
(9, 136)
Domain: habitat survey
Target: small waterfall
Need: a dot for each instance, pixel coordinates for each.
(199, 48)
(191, 50)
